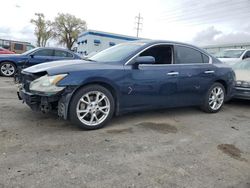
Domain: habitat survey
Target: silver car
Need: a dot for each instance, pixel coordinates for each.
(233, 56)
(242, 71)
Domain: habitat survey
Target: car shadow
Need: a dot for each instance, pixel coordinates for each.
(238, 102)
(53, 121)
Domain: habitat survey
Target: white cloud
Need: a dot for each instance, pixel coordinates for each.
(163, 19)
(211, 35)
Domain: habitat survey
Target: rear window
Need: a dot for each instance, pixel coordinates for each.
(61, 53)
(186, 55)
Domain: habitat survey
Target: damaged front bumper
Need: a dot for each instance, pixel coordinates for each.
(54, 103)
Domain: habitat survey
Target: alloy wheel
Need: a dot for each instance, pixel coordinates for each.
(216, 98)
(7, 69)
(93, 108)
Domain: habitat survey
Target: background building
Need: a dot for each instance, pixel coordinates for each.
(90, 42)
(15, 46)
(213, 49)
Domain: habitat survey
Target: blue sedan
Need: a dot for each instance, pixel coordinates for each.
(134, 76)
(11, 62)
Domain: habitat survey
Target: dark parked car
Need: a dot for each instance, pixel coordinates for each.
(10, 63)
(141, 75)
(242, 71)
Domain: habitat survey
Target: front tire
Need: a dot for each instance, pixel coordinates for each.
(7, 69)
(91, 107)
(214, 98)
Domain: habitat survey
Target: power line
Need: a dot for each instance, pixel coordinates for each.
(198, 15)
(138, 22)
(197, 7)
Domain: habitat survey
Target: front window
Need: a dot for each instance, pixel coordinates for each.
(117, 53)
(230, 54)
(162, 54)
(29, 51)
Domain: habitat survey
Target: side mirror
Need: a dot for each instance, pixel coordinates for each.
(31, 55)
(145, 60)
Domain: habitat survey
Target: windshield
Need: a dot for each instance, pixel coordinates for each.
(116, 53)
(230, 54)
(29, 51)
(243, 65)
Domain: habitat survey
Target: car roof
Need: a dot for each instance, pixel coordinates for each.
(152, 42)
(53, 48)
(148, 41)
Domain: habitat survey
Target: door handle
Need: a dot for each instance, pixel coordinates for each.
(209, 72)
(172, 73)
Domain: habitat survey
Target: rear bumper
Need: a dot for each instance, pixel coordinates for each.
(242, 93)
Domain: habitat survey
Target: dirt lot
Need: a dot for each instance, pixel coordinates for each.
(171, 148)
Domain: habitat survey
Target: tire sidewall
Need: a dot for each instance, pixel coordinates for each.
(3, 63)
(206, 107)
(75, 99)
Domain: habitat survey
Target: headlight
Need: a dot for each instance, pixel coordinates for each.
(47, 84)
(243, 83)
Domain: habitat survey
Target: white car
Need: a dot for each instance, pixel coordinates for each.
(242, 87)
(232, 56)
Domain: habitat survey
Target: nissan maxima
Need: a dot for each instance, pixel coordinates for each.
(129, 77)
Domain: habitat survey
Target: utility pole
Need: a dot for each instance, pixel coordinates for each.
(138, 22)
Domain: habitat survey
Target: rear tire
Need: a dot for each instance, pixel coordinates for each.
(214, 98)
(7, 69)
(91, 107)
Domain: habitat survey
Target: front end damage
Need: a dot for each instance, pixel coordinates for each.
(43, 101)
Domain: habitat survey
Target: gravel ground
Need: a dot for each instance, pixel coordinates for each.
(169, 148)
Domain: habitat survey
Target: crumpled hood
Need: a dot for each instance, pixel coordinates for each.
(59, 67)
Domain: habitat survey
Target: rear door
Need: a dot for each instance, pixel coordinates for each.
(196, 74)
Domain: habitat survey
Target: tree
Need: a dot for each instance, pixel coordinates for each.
(66, 29)
(43, 30)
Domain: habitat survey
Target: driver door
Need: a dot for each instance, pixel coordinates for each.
(41, 56)
(152, 85)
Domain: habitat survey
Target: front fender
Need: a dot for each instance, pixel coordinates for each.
(63, 105)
